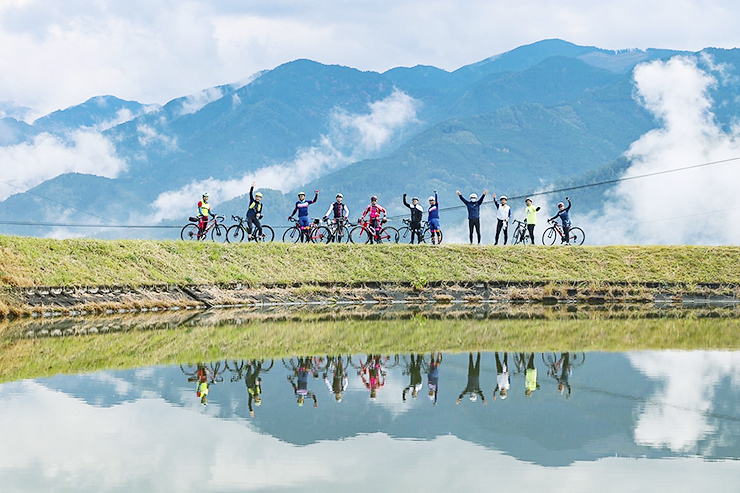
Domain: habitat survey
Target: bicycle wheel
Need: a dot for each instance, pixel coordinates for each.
(576, 236)
(427, 236)
(388, 235)
(549, 236)
(321, 234)
(268, 234)
(404, 235)
(341, 235)
(292, 235)
(359, 235)
(235, 234)
(218, 233)
(517, 237)
(190, 232)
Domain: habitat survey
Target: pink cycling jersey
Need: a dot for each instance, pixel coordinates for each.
(374, 210)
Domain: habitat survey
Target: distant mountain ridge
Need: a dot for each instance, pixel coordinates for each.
(547, 111)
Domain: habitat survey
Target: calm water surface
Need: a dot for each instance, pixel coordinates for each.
(592, 422)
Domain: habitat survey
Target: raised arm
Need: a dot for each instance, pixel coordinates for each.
(405, 202)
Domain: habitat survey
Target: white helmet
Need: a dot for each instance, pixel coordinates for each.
(431, 198)
(503, 197)
(205, 194)
(473, 196)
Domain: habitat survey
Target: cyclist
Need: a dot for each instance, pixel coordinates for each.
(201, 389)
(565, 218)
(473, 386)
(339, 212)
(204, 210)
(254, 212)
(301, 207)
(433, 219)
(473, 206)
(253, 381)
(530, 377)
(531, 219)
(339, 381)
(503, 214)
(503, 379)
(301, 388)
(433, 377)
(416, 381)
(375, 210)
(417, 212)
(375, 375)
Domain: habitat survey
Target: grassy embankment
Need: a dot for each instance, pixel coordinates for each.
(41, 262)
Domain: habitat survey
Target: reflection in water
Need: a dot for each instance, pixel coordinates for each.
(72, 432)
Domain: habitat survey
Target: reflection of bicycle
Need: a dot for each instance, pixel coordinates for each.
(552, 360)
(237, 232)
(364, 232)
(191, 231)
(314, 233)
(238, 367)
(521, 234)
(576, 236)
(199, 371)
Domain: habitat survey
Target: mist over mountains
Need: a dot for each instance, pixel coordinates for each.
(546, 115)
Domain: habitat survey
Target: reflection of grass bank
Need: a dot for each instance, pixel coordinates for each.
(45, 262)
(30, 358)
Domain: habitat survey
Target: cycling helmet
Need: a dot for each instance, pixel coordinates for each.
(528, 199)
(374, 197)
(473, 196)
(340, 196)
(301, 193)
(560, 204)
(205, 194)
(258, 194)
(503, 197)
(415, 198)
(431, 198)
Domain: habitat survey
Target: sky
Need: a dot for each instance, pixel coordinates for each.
(56, 54)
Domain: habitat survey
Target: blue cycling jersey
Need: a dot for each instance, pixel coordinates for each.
(433, 210)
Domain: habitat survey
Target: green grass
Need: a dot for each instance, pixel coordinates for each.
(28, 261)
(34, 358)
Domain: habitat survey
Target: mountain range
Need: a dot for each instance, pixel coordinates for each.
(550, 112)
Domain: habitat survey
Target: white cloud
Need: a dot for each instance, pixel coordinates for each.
(195, 102)
(353, 137)
(698, 206)
(29, 164)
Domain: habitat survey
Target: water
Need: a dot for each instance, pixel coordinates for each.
(630, 422)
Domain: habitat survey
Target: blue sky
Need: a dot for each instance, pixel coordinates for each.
(55, 54)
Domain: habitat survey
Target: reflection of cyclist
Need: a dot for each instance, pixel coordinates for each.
(372, 375)
(503, 379)
(417, 212)
(433, 377)
(300, 385)
(531, 212)
(254, 212)
(204, 210)
(503, 214)
(530, 377)
(254, 385)
(339, 381)
(376, 211)
(433, 219)
(565, 218)
(565, 373)
(201, 389)
(415, 383)
(473, 206)
(301, 207)
(473, 387)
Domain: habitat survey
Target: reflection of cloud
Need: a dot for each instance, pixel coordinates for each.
(676, 415)
(31, 163)
(353, 137)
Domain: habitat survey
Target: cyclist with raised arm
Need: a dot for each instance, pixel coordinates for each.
(417, 213)
(503, 214)
(254, 213)
(204, 210)
(377, 216)
(339, 212)
(473, 206)
(300, 385)
(301, 207)
(565, 219)
(531, 212)
(433, 219)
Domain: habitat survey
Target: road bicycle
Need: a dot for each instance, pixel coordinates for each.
(365, 233)
(521, 234)
(338, 230)
(405, 233)
(237, 232)
(576, 236)
(214, 226)
(316, 233)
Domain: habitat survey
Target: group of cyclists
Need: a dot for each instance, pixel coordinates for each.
(338, 212)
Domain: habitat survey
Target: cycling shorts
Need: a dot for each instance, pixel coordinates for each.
(303, 221)
(434, 224)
